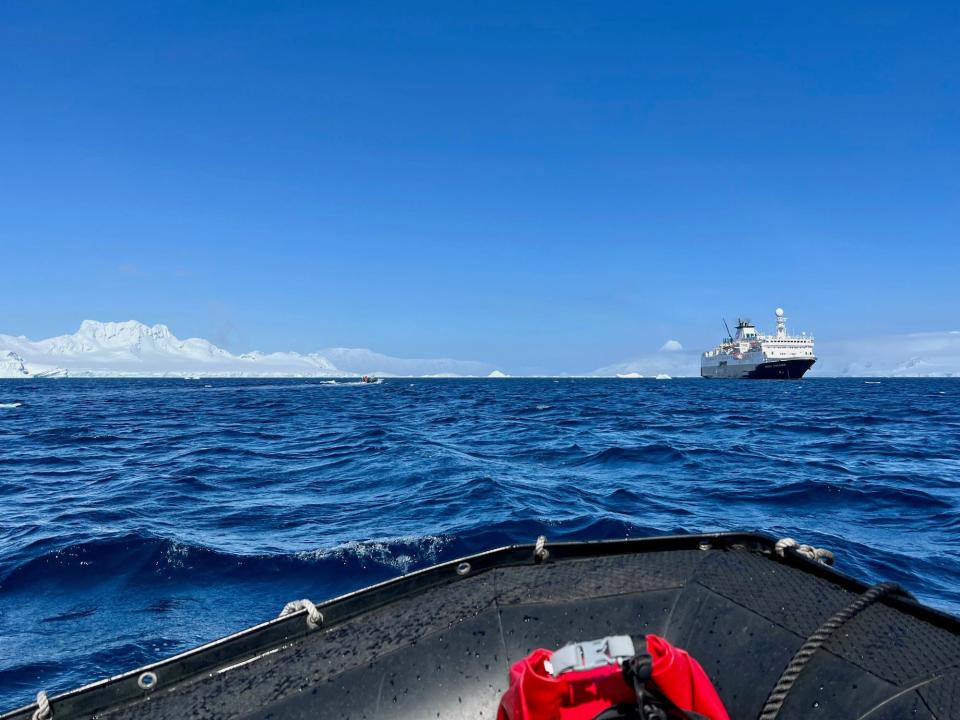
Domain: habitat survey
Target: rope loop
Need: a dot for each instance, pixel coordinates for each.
(540, 552)
(801, 658)
(819, 555)
(43, 711)
(314, 616)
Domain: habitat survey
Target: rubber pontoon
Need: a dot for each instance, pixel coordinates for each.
(438, 643)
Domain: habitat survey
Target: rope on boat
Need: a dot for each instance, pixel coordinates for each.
(800, 659)
(314, 616)
(540, 552)
(43, 711)
(808, 551)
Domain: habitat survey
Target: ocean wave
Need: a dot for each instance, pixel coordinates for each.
(138, 559)
(146, 517)
(401, 553)
(654, 453)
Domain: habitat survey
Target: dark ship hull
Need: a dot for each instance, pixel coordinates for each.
(781, 370)
(793, 369)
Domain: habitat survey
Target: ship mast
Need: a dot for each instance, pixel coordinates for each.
(781, 323)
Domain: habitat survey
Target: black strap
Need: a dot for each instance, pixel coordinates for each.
(620, 712)
(651, 704)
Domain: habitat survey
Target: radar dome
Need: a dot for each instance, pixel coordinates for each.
(779, 312)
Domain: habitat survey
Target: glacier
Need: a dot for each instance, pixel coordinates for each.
(921, 354)
(133, 349)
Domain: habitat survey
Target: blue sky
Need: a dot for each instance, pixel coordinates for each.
(544, 186)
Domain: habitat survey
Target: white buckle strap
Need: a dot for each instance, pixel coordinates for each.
(591, 654)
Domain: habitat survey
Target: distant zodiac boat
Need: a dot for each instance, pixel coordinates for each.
(753, 355)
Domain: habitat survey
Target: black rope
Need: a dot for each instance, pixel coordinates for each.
(779, 693)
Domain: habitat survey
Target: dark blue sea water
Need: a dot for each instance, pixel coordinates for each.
(140, 518)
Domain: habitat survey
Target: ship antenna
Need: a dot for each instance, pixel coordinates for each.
(729, 334)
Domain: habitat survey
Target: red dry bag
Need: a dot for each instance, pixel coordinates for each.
(581, 681)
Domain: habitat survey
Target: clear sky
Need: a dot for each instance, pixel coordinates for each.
(547, 186)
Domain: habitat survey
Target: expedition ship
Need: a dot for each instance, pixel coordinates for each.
(750, 354)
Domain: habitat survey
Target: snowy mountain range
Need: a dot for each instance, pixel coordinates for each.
(132, 349)
(926, 354)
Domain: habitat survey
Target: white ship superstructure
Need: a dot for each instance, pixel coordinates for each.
(751, 354)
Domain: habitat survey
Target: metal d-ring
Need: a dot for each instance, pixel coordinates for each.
(147, 680)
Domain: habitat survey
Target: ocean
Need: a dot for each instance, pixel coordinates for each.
(139, 518)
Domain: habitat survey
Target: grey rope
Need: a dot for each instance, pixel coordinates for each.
(314, 616)
(800, 659)
(540, 552)
(808, 551)
(43, 711)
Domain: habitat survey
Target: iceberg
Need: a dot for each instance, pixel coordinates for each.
(12, 365)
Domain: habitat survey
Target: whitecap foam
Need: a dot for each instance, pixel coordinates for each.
(175, 554)
(400, 552)
(10, 405)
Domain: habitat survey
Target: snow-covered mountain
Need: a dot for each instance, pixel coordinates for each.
(132, 349)
(928, 354)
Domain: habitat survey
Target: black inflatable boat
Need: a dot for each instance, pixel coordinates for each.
(438, 643)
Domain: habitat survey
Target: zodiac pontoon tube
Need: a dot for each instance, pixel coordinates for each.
(438, 643)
